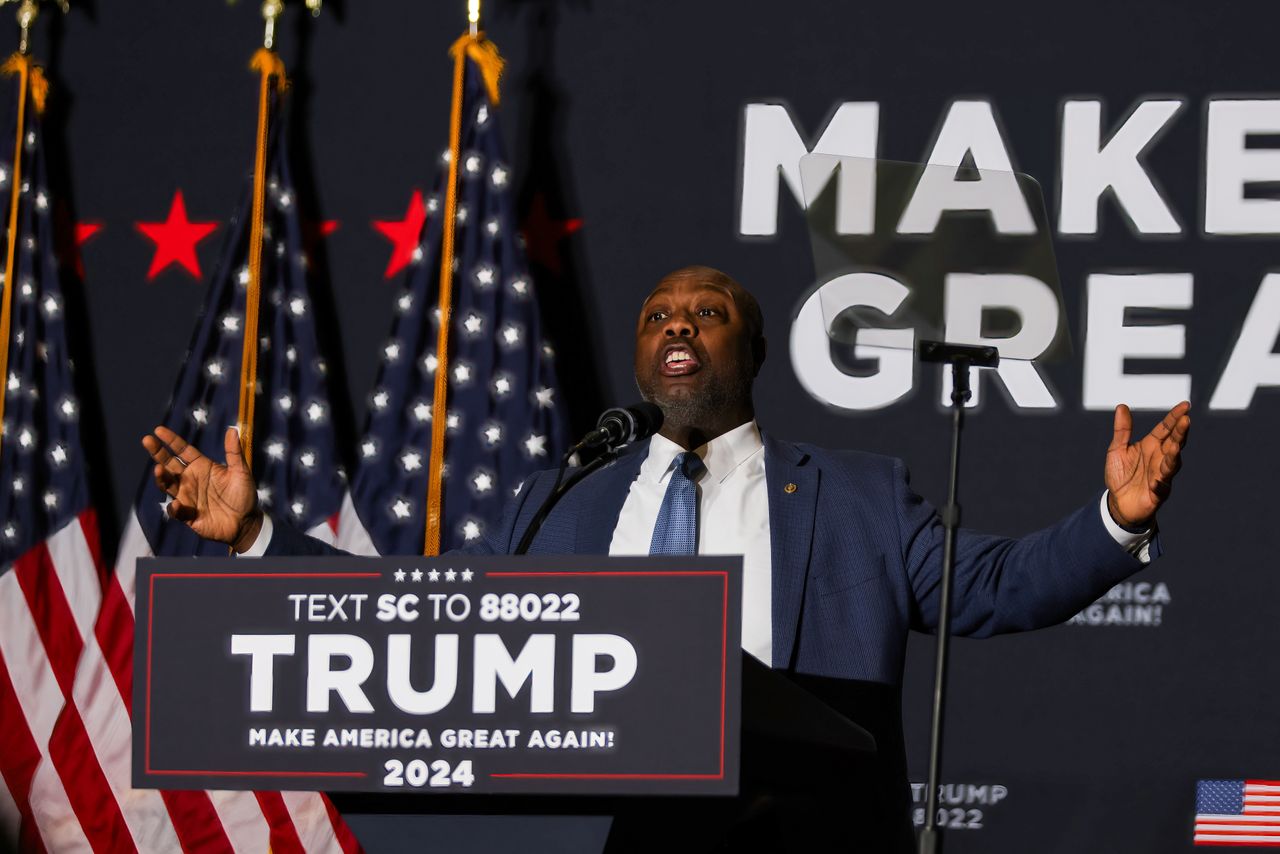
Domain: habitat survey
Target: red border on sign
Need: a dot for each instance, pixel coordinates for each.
(724, 672)
(151, 610)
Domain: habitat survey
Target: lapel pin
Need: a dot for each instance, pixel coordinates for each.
(790, 488)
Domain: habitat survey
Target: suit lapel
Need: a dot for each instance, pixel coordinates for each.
(792, 483)
(607, 490)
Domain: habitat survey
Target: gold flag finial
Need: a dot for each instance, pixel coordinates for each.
(271, 10)
(28, 11)
(473, 16)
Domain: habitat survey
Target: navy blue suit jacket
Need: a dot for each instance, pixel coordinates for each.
(857, 557)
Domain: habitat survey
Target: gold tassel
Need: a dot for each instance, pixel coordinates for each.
(268, 63)
(39, 88)
(483, 53)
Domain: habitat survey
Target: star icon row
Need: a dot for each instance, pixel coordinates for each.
(449, 575)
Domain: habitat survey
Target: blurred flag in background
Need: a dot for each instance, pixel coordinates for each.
(505, 416)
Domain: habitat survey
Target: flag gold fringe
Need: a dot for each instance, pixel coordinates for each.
(269, 65)
(485, 54)
(31, 80)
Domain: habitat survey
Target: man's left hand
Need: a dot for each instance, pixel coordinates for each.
(1139, 476)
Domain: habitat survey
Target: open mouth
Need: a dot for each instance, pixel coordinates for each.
(679, 360)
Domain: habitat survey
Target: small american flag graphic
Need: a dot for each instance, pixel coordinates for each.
(1243, 813)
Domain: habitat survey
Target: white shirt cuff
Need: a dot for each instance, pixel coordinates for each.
(1137, 544)
(259, 547)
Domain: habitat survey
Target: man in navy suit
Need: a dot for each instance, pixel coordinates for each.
(830, 594)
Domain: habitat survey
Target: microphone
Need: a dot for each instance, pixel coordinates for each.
(616, 427)
(623, 425)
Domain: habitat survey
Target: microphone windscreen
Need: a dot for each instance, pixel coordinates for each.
(631, 423)
(648, 419)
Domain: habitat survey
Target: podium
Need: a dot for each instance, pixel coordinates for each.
(801, 761)
(537, 688)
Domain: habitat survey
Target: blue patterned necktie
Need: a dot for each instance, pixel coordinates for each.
(676, 532)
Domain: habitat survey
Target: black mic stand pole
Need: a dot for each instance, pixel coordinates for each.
(961, 358)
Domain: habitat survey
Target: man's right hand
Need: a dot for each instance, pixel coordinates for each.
(218, 502)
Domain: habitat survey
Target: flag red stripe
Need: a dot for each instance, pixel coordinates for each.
(114, 630)
(347, 839)
(1251, 844)
(53, 618)
(284, 836)
(19, 756)
(88, 790)
(196, 823)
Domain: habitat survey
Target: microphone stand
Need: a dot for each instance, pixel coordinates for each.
(961, 357)
(558, 490)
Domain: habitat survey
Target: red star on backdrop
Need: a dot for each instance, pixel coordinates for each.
(404, 234)
(70, 236)
(84, 232)
(542, 234)
(314, 231)
(176, 239)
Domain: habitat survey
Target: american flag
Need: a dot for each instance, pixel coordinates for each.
(53, 795)
(1238, 812)
(296, 469)
(505, 417)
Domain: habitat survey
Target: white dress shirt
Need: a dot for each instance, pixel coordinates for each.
(733, 518)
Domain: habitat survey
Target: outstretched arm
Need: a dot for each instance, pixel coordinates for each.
(1005, 584)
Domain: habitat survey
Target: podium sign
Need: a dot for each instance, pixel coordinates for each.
(454, 674)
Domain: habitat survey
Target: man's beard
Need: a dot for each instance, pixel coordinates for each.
(702, 406)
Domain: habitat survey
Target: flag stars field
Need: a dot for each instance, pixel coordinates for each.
(535, 445)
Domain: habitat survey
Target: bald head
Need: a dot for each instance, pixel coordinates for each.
(699, 345)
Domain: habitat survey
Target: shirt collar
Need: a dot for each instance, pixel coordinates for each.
(722, 455)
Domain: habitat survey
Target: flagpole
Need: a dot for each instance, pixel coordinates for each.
(269, 65)
(439, 399)
(30, 80)
(471, 45)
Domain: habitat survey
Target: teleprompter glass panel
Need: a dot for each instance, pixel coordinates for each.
(906, 252)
